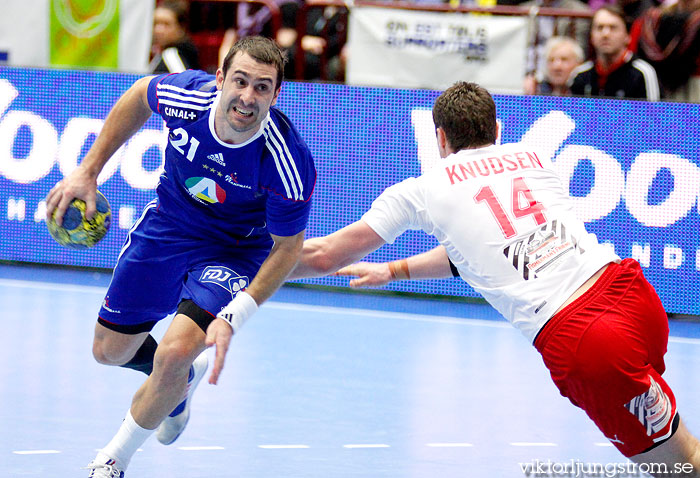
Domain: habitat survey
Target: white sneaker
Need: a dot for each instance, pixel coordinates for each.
(104, 470)
(171, 428)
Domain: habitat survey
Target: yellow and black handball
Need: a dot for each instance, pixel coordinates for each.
(77, 232)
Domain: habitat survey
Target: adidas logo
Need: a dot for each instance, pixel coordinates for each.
(217, 158)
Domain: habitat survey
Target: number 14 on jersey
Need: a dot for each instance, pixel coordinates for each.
(522, 204)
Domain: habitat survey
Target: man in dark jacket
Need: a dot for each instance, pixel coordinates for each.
(616, 72)
(668, 38)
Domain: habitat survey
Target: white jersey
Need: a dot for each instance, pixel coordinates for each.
(507, 224)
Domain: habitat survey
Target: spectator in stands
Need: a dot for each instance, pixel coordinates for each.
(634, 9)
(324, 39)
(669, 39)
(254, 19)
(172, 50)
(563, 54)
(615, 72)
(542, 28)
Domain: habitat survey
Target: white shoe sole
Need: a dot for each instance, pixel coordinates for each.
(172, 427)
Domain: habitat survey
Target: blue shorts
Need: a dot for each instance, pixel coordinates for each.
(161, 265)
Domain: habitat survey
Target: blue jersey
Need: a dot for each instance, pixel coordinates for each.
(216, 190)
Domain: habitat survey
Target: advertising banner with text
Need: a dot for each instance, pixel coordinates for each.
(632, 167)
(413, 49)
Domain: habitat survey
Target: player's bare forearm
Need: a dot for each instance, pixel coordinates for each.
(325, 255)
(270, 276)
(274, 271)
(126, 117)
(433, 264)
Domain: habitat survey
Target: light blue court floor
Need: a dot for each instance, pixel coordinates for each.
(317, 385)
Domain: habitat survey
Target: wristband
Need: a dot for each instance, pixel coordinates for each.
(240, 309)
(399, 270)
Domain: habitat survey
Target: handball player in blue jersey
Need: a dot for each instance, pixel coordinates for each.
(226, 228)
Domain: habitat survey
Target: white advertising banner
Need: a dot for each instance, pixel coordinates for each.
(102, 34)
(412, 49)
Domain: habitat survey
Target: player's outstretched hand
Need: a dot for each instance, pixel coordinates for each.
(78, 184)
(370, 274)
(219, 334)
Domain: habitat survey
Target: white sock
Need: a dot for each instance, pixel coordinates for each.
(125, 443)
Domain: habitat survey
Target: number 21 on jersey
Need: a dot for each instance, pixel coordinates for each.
(180, 140)
(522, 204)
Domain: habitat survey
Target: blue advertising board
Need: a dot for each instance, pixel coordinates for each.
(632, 167)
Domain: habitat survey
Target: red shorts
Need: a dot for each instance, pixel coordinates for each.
(605, 352)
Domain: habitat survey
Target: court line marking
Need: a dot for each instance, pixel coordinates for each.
(52, 286)
(528, 443)
(366, 445)
(322, 309)
(138, 450)
(683, 340)
(200, 448)
(35, 452)
(496, 323)
(283, 447)
(325, 309)
(348, 446)
(449, 445)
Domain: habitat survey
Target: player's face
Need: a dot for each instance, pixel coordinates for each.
(560, 63)
(247, 93)
(608, 34)
(166, 29)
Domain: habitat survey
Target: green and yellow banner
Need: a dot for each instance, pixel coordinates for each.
(85, 34)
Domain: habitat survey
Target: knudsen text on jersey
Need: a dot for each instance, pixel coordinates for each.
(492, 165)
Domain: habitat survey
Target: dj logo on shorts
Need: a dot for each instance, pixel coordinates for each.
(226, 278)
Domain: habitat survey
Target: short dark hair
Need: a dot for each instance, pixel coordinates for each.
(261, 49)
(467, 114)
(179, 8)
(616, 10)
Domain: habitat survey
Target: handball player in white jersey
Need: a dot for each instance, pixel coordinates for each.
(507, 227)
